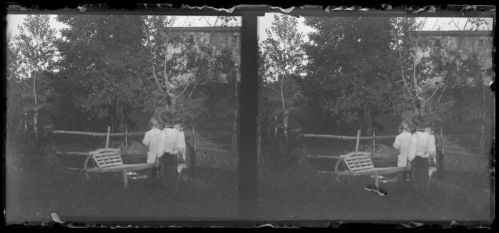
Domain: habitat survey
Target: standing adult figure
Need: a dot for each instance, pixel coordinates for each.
(152, 139)
(423, 150)
(169, 155)
(403, 143)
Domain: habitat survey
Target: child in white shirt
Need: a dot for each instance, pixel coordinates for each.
(169, 154)
(423, 149)
(403, 143)
(152, 140)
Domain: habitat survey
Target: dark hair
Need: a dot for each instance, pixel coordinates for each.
(430, 124)
(166, 117)
(418, 122)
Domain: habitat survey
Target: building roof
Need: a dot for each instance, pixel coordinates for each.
(205, 29)
(456, 33)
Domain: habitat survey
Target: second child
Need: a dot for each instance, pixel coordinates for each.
(423, 150)
(403, 144)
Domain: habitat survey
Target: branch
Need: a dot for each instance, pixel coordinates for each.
(156, 78)
(192, 90)
(455, 24)
(207, 22)
(166, 77)
(406, 85)
(434, 92)
(441, 94)
(414, 79)
(183, 91)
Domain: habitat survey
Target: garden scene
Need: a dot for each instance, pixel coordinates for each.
(333, 93)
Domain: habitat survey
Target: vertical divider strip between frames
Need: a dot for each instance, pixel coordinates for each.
(248, 103)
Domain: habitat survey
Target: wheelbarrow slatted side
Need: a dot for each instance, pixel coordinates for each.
(360, 164)
(110, 160)
(358, 161)
(107, 158)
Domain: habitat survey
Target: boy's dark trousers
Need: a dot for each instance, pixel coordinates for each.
(420, 167)
(168, 165)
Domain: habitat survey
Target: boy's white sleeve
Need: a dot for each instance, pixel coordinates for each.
(396, 144)
(146, 140)
(412, 147)
(161, 144)
(432, 148)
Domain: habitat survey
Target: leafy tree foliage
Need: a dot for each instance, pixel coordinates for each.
(351, 66)
(104, 61)
(14, 90)
(428, 67)
(191, 78)
(282, 62)
(33, 51)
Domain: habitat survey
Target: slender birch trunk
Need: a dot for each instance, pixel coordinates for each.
(284, 112)
(482, 136)
(35, 115)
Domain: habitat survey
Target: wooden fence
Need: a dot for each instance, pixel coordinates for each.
(195, 143)
(211, 155)
(449, 148)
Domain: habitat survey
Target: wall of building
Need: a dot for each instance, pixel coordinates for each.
(220, 38)
(468, 43)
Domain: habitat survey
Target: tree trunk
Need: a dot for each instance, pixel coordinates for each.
(482, 137)
(359, 119)
(112, 119)
(259, 144)
(285, 113)
(35, 123)
(173, 102)
(35, 115)
(285, 122)
(25, 123)
(121, 112)
(234, 130)
(236, 113)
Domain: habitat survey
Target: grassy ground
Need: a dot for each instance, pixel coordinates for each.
(37, 186)
(319, 197)
(35, 191)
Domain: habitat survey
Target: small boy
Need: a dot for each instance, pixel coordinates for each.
(169, 156)
(152, 139)
(423, 150)
(403, 144)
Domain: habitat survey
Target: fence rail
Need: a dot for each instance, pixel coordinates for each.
(348, 137)
(463, 135)
(96, 134)
(448, 152)
(200, 145)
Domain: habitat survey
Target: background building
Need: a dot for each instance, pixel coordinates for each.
(466, 44)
